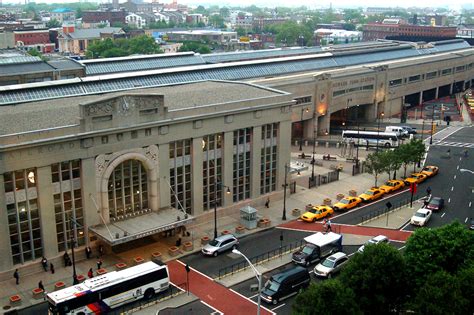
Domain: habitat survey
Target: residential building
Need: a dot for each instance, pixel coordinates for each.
(260, 23)
(135, 20)
(33, 39)
(202, 35)
(374, 31)
(92, 19)
(336, 36)
(63, 15)
(75, 41)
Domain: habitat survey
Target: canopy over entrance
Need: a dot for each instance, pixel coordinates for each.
(120, 232)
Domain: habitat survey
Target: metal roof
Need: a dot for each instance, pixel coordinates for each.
(11, 59)
(230, 71)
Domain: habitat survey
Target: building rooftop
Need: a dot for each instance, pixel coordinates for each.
(88, 33)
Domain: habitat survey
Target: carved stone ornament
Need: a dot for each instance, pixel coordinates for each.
(99, 109)
(102, 161)
(151, 152)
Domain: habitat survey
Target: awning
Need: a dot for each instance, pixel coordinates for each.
(137, 227)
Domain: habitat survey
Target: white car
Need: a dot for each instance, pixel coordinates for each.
(331, 265)
(375, 240)
(421, 217)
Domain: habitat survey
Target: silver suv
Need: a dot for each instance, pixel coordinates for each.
(220, 244)
(331, 265)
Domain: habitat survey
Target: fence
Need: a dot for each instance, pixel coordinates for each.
(323, 179)
(359, 168)
(256, 260)
(395, 205)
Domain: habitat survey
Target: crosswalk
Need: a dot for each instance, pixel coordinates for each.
(454, 144)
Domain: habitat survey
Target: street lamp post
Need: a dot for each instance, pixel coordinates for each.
(358, 136)
(72, 225)
(432, 122)
(258, 275)
(217, 184)
(313, 161)
(378, 130)
(302, 127)
(284, 193)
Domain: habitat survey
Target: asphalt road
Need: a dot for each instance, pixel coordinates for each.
(193, 308)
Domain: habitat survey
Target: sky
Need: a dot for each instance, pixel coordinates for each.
(453, 4)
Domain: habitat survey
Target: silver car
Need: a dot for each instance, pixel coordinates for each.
(220, 244)
(331, 265)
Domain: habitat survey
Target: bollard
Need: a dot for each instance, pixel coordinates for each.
(306, 143)
(316, 144)
(327, 144)
(337, 145)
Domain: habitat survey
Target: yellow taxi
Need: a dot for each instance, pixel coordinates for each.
(415, 178)
(372, 194)
(392, 185)
(316, 213)
(430, 170)
(346, 203)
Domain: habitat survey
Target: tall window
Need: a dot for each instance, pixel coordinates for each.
(128, 189)
(66, 178)
(268, 162)
(241, 173)
(180, 175)
(23, 215)
(212, 170)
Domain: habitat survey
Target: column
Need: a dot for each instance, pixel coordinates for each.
(228, 167)
(256, 161)
(308, 131)
(90, 200)
(164, 193)
(47, 215)
(324, 124)
(420, 100)
(5, 248)
(196, 167)
(437, 92)
(283, 151)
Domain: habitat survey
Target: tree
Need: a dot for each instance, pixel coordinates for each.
(216, 20)
(144, 45)
(123, 47)
(377, 276)
(449, 248)
(53, 23)
(404, 154)
(196, 47)
(418, 149)
(327, 297)
(241, 31)
(224, 12)
(375, 164)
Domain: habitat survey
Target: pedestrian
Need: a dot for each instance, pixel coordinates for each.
(16, 275)
(325, 224)
(88, 252)
(99, 263)
(101, 250)
(267, 203)
(40, 285)
(66, 259)
(465, 153)
(90, 273)
(428, 191)
(329, 228)
(51, 267)
(178, 242)
(448, 152)
(44, 262)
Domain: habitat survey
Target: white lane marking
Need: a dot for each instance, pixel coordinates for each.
(402, 247)
(443, 214)
(197, 271)
(243, 296)
(403, 227)
(448, 133)
(255, 295)
(452, 188)
(278, 306)
(449, 200)
(459, 159)
(454, 176)
(465, 220)
(212, 307)
(177, 287)
(470, 202)
(457, 167)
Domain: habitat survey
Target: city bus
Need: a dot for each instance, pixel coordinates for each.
(371, 138)
(100, 294)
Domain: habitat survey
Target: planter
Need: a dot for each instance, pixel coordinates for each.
(60, 285)
(339, 196)
(353, 193)
(263, 223)
(15, 300)
(138, 260)
(80, 278)
(101, 271)
(327, 201)
(239, 229)
(37, 293)
(156, 255)
(188, 246)
(225, 232)
(120, 266)
(296, 212)
(173, 251)
(205, 240)
(308, 207)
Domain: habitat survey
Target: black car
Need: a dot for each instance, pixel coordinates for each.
(435, 204)
(285, 284)
(471, 226)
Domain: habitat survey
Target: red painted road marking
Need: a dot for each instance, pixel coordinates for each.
(392, 234)
(212, 293)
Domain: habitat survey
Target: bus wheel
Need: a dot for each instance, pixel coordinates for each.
(387, 145)
(149, 293)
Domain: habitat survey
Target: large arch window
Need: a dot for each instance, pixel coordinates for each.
(128, 189)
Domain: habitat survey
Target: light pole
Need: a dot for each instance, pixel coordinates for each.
(358, 136)
(432, 122)
(258, 275)
(302, 127)
(72, 236)
(378, 131)
(313, 161)
(217, 184)
(284, 193)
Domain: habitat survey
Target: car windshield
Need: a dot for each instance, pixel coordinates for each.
(344, 201)
(389, 184)
(420, 214)
(214, 243)
(435, 202)
(427, 169)
(328, 263)
(312, 210)
(307, 250)
(272, 285)
(371, 241)
(369, 192)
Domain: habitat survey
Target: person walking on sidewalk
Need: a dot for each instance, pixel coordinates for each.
(16, 275)
(328, 224)
(99, 263)
(90, 273)
(51, 267)
(66, 259)
(88, 252)
(267, 203)
(44, 263)
(40, 285)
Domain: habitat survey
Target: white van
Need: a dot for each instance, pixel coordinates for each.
(400, 131)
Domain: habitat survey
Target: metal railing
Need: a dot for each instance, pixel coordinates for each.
(323, 179)
(381, 211)
(259, 259)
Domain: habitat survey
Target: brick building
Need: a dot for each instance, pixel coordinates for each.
(92, 19)
(376, 31)
(33, 39)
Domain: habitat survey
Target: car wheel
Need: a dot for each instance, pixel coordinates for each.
(149, 293)
(215, 253)
(234, 246)
(329, 275)
(314, 220)
(275, 301)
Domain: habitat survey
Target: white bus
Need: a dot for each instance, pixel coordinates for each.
(371, 138)
(100, 294)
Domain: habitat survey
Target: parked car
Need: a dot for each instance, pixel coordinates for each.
(421, 217)
(372, 194)
(285, 284)
(220, 244)
(346, 203)
(415, 178)
(331, 265)
(435, 204)
(316, 213)
(392, 185)
(375, 240)
(430, 170)
(409, 130)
